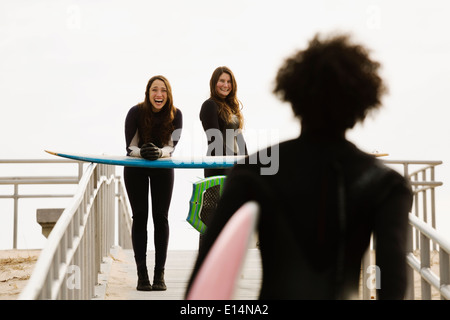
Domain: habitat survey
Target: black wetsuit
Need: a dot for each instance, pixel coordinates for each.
(317, 215)
(137, 185)
(218, 144)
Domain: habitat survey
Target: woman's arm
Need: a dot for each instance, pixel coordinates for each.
(390, 232)
(169, 148)
(209, 117)
(131, 132)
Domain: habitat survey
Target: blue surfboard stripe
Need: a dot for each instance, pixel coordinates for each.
(174, 162)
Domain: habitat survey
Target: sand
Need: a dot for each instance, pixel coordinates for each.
(16, 267)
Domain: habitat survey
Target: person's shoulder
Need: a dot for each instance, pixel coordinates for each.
(178, 118)
(377, 177)
(178, 113)
(265, 161)
(390, 173)
(135, 108)
(272, 152)
(209, 103)
(209, 109)
(133, 112)
(371, 164)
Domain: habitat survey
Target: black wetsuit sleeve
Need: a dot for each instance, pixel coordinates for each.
(390, 233)
(178, 125)
(241, 143)
(209, 116)
(131, 126)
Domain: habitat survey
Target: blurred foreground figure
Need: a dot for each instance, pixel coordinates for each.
(327, 198)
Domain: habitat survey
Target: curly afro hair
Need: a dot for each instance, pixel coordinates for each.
(331, 85)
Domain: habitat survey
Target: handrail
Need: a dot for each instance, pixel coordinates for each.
(424, 206)
(123, 216)
(16, 161)
(423, 209)
(22, 180)
(429, 278)
(69, 264)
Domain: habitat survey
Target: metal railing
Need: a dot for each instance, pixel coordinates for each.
(124, 221)
(423, 266)
(423, 234)
(18, 181)
(69, 265)
(124, 216)
(423, 183)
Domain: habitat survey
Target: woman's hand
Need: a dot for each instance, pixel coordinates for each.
(150, 152)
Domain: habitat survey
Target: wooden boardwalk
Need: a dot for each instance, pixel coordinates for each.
(122, 277)
(118, 277)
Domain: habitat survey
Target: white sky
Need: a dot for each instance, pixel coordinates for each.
(70, 71)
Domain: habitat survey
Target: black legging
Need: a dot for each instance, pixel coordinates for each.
(161, 187)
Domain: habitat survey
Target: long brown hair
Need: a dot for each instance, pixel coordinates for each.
(156, 127)
(229, 105)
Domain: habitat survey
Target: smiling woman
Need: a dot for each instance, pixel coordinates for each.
(148, 133)
(222, 121)
(222, 118)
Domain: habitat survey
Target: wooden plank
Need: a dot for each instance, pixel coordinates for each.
(123, 277)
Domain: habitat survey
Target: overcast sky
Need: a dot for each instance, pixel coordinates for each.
(71, 70)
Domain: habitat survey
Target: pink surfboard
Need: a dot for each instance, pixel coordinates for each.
(217, 276)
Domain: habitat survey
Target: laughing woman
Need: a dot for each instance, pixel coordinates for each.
(152, 130)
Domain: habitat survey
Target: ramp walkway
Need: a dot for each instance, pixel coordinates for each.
(119, 277)
(122, 277)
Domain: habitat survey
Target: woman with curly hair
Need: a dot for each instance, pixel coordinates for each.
(152, 130)
(319, 210)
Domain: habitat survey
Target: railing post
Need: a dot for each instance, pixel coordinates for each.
(425, 263)
(416, 212)
(409, 295)
(16, 214)
(124, 219)
(444, 269)
(405, 170)
(433, 205)
(80, 170)
(424, 199)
